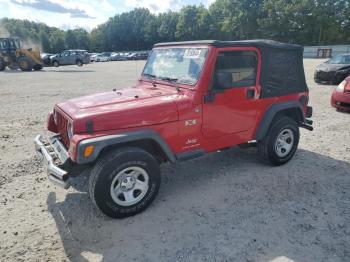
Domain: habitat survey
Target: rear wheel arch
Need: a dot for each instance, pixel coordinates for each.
(291, 109)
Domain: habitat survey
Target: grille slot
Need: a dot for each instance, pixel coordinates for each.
(62, 123)
(343, 104)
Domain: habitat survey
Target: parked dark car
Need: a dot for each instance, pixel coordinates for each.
(46, 58)
(333, 71)
(138, 56)
(71, 57)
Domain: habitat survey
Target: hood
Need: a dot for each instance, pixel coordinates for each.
(331, 67)
(143, 105)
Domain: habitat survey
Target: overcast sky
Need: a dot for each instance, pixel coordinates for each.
(83, 13)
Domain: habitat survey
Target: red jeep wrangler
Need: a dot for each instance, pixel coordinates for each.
(191, 99)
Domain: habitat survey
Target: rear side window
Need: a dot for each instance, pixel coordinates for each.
(347, 59)
(235, 69)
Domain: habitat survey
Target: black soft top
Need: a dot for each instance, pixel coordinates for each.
(282, 69)
(217, 43)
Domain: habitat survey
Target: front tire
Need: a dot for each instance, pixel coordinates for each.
(25, 64)
(124, 182)
(79, 63)
(56, 64)
(280, 143)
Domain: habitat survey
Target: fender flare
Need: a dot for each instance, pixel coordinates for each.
(102, 142)
(271, 113)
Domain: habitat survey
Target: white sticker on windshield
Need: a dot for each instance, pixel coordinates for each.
(192, 53)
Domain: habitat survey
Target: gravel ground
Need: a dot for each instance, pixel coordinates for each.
(222, 207)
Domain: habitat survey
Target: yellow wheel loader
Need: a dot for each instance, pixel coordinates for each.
(14, 57)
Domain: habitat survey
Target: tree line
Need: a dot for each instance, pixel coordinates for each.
(306, 22)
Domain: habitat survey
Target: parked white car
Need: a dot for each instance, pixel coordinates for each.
(102, 58)
(93, 57)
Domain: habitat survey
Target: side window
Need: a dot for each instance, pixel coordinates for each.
(235, 69)
(12, 44)
(65, 53)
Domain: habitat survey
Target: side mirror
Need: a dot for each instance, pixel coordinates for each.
(223, 80)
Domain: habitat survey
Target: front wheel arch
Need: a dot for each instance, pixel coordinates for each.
(148, 140)
(148, 145)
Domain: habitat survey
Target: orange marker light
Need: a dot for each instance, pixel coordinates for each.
(88, 151)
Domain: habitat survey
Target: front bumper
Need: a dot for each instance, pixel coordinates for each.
(54, 156)
(341, 100)
(332, 77)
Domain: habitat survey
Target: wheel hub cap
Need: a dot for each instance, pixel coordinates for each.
(127, 183)
(284, 142)
(129, 186)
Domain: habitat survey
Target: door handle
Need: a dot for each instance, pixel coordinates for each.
(250, 93)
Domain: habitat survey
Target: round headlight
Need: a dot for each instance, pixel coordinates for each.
(70, 130)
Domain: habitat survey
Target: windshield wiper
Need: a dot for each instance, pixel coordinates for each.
(171, 80)
(149, 75)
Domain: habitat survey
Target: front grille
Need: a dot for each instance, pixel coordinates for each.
(342, 104)
(62, 123)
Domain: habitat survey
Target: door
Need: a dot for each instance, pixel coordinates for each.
(13, 46)
(73, 57)
(231, 103)
(64, 58)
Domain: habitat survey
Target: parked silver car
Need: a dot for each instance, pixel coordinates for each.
(71, 57)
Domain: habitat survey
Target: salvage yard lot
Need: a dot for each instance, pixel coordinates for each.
(223, 207)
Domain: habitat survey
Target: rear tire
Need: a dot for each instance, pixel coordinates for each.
(2, 65)
(25, 64)
(79, 63)
(280, 143)
(124, 182)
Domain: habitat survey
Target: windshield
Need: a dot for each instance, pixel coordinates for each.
(182, 65)
(340, 59)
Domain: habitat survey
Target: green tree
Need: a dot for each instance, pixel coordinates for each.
(71, 39)
(193, 23)
(45, 42)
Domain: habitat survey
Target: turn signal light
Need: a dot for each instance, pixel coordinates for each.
(88, 150)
